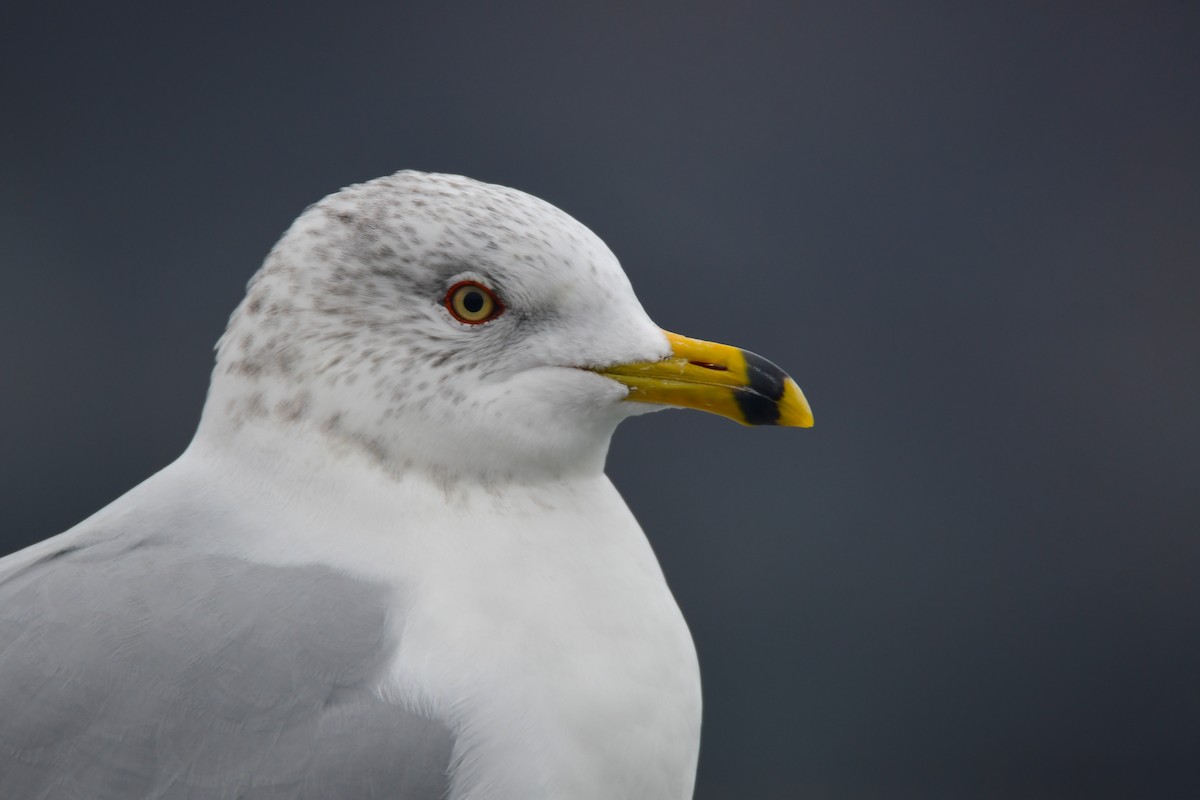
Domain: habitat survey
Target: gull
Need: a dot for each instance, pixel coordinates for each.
(389, 564)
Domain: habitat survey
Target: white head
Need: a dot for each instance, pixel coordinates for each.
(345, 332)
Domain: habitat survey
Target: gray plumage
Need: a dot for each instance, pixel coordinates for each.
(140, 668)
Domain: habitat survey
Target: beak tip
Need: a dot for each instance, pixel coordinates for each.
(794, 410)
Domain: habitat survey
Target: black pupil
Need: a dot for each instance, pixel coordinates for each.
(473, 301)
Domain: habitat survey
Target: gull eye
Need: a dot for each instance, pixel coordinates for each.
(472, 303)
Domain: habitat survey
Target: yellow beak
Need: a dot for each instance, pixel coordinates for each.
(724, 380)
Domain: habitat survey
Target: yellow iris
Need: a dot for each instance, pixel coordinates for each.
(472, 302)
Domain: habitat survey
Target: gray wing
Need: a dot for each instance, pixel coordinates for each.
(148, 671)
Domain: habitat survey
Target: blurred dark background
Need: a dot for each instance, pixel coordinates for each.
(971, 231)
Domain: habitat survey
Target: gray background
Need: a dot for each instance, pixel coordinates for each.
(971, 231)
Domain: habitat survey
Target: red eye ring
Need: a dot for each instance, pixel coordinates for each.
(472, 303)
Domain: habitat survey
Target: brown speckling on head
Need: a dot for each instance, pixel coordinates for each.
(345, 330)
(294, 408)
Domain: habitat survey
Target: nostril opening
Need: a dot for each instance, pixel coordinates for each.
(710, 365)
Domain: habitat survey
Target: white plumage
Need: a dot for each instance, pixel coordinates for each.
(389, 564)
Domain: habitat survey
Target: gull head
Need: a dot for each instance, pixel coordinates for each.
(433, 322)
